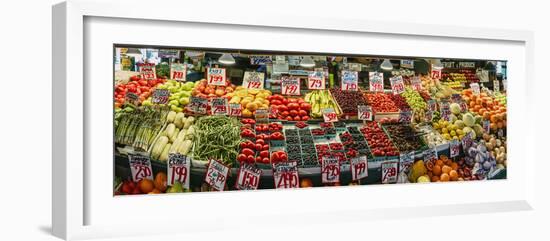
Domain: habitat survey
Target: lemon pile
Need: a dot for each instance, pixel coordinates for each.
(250, 100)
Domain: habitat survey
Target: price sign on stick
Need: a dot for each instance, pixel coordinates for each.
(364, 112)
(219, 106)
(216, 76)
(178, 169)
(432, 105)
(140, 167)
(329, 115)
(475, 88)
(389, 172)
(248, 177)
(198, 105)
(376, 81)
(405, 116)
(406, 161)
(445, 110)
(216, 175)
(178, 72)
(290, 86)
(416, 83)
(235, 109)
(397, 85)
(436, 74)
(430, 155)
(285, 175)
(316, 80)
(330, 169)
(467, 142)
(359, 168)
(454, 148)
(147, 71)
(132, 98)
(349, 80)
(253, 80)
(161, 96)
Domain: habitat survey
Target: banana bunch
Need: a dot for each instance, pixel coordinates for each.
(319, 100)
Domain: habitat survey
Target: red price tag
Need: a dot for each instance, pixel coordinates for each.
(349, 80)
(216, 175)
(359, 168)
(285, 175)
(248, 177)
(178, 72)
(235, 109)
(376, 81)
(454, 147)
(316, 80)
(397, 85)
(178, 169)
(147, 71)
(329, 115)
(330, 169)
(364, 112)
(161, 96)
(253, 80)
(389, 172)
(475, 88)
(290, 86)
(416, 83)
(436, 74)
(219, 106)
(216, 76)
(140, 167)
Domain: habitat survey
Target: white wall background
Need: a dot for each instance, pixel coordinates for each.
(25, 77)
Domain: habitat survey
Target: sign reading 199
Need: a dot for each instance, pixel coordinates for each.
(216, 76)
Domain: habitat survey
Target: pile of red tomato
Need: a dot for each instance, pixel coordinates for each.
(141, 87)
(290, 109)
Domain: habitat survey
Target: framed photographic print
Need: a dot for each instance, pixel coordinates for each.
(229, 119)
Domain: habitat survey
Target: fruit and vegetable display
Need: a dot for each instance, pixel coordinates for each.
(279, 141)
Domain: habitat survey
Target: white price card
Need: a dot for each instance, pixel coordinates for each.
(198, 105)
(475, 88)
(161, 96)
(147, 71)
(216, 175)
(178, 169)
(330, 169)
(364, 112)
(285, 175)
(496, 86)
(376, 81)
(430, 155)
(505, 84)
(454, 148)
(235, 109)
(260, 59)
(329, 115)
(428, 116)
(290, 86)
(406, 161)
(216, 76)
(253, 80)
(219, 106)
(389, 172)
(178, 72)
(397, 85)
(261, 114)
(407, 63)
(405, 116)
(445, 110)
(463, 106)
(131, 98)
(359, 168)
(140, 167)
(316, 80)
(467, 142)
(436, 74)
(349, 80)
(487, 126)
(416, 83)
(432, 105)
(248, 177)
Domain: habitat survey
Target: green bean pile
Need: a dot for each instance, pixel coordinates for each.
(217, 137)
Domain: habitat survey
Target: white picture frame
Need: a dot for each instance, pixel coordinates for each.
(74, 198)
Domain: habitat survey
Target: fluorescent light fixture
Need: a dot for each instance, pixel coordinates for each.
(436, 64)
(386, 65)
(307, 62)
(132, 52)
(226, 59)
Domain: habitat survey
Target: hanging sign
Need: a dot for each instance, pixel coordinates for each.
(178, 169)
(376, 81)
(389, 172)
(330, 169)
(316, 80)
(407, 63)
(359, 168)
(216, 175)
(416, 83)
(364, 112)
(147, 71)
(216, 76)
(349, 80)
(219, 106)
(140, 167)
(161, 96)
(329, 115)
(475, 88)
(260, 59)
(466, 64)
(397, 85)
(248, 177)
(253, 80)
(235, 109)
(454, 148)
(198, 105)
(285, 175)
(178, 72)
(290, 86)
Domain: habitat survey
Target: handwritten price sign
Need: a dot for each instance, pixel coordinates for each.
(429, 116)
(253, 80)
(463, 106)
(316, 80)
(349, 80)
(260, 59)
(430, 155)
(235, 109)
(389, 172)
(364, 112)
(132, 98)
(407, 63)
(216, 76)
(216, 175)
(285, 175)
(330, 169)
(329, 115)
(416, 83)
(161, 96)
(475, 88)
(178, 169)
(359, 168)
(140, 166)
(219, 106)
(496, 86)
(405, 116)
(467, 142)
(178, 72)
(454, 148)
(397, 85)
(147, 71)
(445, 110)
(248, 177)
(432, 105)
(290, 86)
(406, 161)
(436, 74)
(487, 126)
(376, 81)
(198, 105)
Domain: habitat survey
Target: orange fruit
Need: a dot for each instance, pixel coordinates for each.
(444, 177)
(443, 157)
(155, 191)
(454, 175)
(160, 181)
(146, 185)
(439, 162)
(435, 178)
(446, 169)
(454, 166)
(437, 170)
(306, 182)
